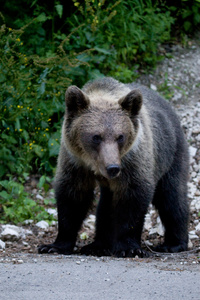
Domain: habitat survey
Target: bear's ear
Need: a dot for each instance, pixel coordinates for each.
(75, 100)
(132, 102)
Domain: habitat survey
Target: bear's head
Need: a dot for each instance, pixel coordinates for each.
(99, 133)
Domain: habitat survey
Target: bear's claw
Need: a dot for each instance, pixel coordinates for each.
(52, 248)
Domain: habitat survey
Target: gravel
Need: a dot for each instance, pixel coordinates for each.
(178, 77)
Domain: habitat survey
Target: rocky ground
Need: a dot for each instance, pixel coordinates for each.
(177, 78)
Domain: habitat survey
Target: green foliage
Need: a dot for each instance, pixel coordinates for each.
(31, 103)
(17, 207)
(125, 35)
(187, 14)
(141, 29)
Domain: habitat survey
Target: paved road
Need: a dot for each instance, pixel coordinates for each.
(77, 278)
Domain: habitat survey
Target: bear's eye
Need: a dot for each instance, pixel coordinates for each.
(120, 139)
(97, 139)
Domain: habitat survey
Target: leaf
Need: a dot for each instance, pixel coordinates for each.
(4, 195)
(41, 18)
(187, 25)
(9, 139)
(59, 9)
(102, 50)
(53, 147)
(2, 78)
(41, 88)
(38, 150)
(42, 181)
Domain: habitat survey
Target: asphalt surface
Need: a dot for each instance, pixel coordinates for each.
(79, 277)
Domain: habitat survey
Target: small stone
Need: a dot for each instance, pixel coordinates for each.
(38, 196)
(153, 87)
(42, 224)
(28, 222)
(25, 243)
(177, 96)
(16, 232)
(148, 222)
(52, 211)
(10, 234)
(197, 227)
(190, 245)
(192, 235)
(20, 261)
(2, 245)
(192, 151)
(90, 222)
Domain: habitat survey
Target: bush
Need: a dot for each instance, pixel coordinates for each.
(16, 206)
(186, 14)
(125, 34)
(31, 103)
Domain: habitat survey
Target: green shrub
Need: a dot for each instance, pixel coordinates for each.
(186, 13)
(31, 103)
(17, 206)
(125, 34)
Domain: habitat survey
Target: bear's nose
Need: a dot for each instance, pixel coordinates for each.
(113, 170)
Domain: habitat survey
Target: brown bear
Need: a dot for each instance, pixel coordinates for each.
(128, 139)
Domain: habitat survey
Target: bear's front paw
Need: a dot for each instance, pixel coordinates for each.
(130, 253)
(128, 249)
(60, 248)
(95, 249)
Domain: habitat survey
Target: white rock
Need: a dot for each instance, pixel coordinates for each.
(42, 224)
(192, 235)
(190, 245)
(197, 227)
(90, 222)
(54, 223)
(27, 222)
(196, 203)
(157, 229)
(148, 222)
(153, 87)
(2, 245)
(52, 211)
(10, 234)
(192, 151)
(177, 96)
(38, 196)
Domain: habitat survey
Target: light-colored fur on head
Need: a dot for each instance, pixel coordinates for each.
(111, 112)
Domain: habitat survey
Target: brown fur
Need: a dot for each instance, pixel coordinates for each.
(129, 140)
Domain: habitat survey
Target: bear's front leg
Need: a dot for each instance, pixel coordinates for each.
(129, 214)
(74, 194)
(120, 219)
(104, 226)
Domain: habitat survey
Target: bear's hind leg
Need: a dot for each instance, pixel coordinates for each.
(170, 200)
(74, 195)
